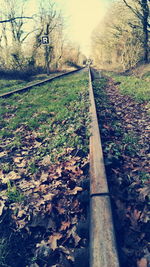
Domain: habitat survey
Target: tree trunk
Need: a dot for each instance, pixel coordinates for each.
(145, 44)
(145, 11)
(47, 60)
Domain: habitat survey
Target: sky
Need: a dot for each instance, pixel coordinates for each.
(81, 17)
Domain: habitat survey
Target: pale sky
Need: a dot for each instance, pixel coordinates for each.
(82, 16)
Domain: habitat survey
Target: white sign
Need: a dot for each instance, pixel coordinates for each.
(45, 40)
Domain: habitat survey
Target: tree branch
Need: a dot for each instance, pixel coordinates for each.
(11, 19)
(28, 35)
(138, 14)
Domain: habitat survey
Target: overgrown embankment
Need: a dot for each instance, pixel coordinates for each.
(124, 125)
(135, 83)
(44, 175)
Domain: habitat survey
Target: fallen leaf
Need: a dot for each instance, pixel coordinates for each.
(24, 185)
(48, 197)
(48, 208)
(21, 213)
(46, 161)
(142, 262)
(67, 252)
(61, 210)
(2, 154)
(106, 126)
(22, 164)
(12, 176)
(65, 225)
(73, 233)
(53, 240)
(37, 144)
(75, 190)
(59, 170)
(145, 191)
(2, 178)
(44, 177)
(2, 205)
(41, 244)
(41, 188)
(17, 159)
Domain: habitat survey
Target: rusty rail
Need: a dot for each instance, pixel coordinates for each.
(103, 250)
(39, 83)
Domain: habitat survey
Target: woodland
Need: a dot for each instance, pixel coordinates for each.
(121, 40)
(21, 48)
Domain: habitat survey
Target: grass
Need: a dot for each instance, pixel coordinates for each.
(136, 87)
(57, 111)
(144, 176)
(13, 193)
(146, 75)
(11, 85)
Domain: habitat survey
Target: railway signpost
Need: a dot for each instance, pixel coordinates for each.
(46, 43)
(45, 40)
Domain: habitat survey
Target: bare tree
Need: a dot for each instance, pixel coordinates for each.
(12, 20)
(49, 22)
(143, 15)
(14, 15)
(117, 41)
(16, 22)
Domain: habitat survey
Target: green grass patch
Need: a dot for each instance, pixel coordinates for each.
(136, 87)
(13, 193)
(10, 85)
(146, 75)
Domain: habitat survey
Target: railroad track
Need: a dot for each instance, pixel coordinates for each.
(103, 249)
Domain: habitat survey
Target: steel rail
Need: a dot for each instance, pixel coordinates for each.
(23, 89)
(103, 249)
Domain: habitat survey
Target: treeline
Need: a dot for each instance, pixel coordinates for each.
(122, 39)
(21, 30)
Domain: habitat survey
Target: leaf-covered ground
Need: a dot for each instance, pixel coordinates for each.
(125, 131)
(44, 184)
